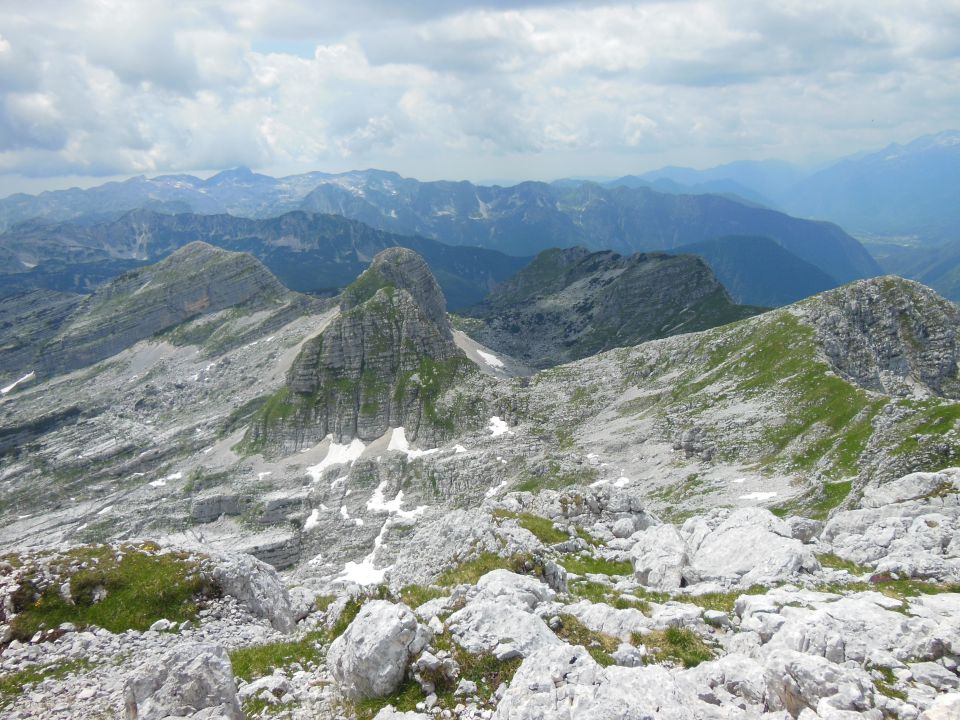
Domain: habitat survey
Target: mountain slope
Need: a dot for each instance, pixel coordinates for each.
(52, 334)
(758, 271)
(568, 304)
(306, 252)
(907, 189)
(531, 217)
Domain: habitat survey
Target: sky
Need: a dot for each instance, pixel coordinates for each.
(92, 90)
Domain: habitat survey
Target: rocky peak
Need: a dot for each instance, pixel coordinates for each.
(569, 304)
(402, 269)
(890, 335)
(382, 363)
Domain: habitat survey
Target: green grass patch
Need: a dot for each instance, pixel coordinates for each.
(816, 504)
(680, 646)
(586, 564)
(539, 526)
(469, 572)
(14, 684)
(416, 595)
(141, 588)
(554, 477)
(258, 661)
(599, 593)
(349, 614)
(835, 562)
(724, 602)
(885, 686)
(599, 645)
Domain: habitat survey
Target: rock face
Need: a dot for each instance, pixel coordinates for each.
(197, 279)
(382, 363)
(890, 335)
(370, 658)
(257, 587)
(569, 304)
(193, 678)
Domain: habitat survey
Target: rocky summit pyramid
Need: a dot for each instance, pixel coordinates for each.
(380, 364)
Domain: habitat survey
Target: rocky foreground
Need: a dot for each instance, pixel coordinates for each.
(573, 604)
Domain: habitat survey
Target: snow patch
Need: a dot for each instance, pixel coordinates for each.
(398, 441)
(312, 521)
(26, 378)
(498, 427)
(337, 455)
(758, 496)
(495, 489)
(365, 572)
(622, 482)
(459, 449)
(490, 359)
(379, 503)
(158, 483)
(105, 510)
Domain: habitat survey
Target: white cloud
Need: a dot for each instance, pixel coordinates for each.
(473, 89)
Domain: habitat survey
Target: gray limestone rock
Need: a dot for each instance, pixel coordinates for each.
(661, 558)
(370, 659)
(257, 586)
(193, 678)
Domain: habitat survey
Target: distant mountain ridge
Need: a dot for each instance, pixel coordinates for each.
(571, 303)
(307, 252)
(906, 189)
(520, 220)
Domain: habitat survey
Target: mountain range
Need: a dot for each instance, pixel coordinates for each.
(355, 509)
(901, 190)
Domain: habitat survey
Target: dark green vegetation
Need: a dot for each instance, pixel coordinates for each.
(138, 586)
(257, 661)
(587, 564)
(469, 571)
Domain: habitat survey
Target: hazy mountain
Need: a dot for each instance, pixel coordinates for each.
(910, 189)
(531, 217)
(758, 271)
(307, 252)
(722, 186)
(938, 267)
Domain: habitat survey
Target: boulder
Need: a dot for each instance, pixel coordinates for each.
(795, 681)
(752, 547)
(564, 682)
(661, 558)
(371, 657)
(521, 589)
(945, 707)
(500, 628)
(193, 678)
(257, 587)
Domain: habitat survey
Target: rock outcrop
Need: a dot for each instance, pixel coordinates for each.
(382, 363)
(196, 280)
(370, 659)
(569, 304)
(890, 335)
(193, 678)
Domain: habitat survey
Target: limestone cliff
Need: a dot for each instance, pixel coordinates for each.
(382, 363)
(889, 335)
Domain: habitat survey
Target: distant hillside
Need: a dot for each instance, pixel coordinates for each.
(307, 252)
(571, 303)
(911, 189)
(531, 217)
(757, 271)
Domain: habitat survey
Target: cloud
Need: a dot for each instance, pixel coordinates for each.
(465, 89)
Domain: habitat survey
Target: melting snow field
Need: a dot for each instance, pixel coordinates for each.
(758, 496)
(398, 441)
(337, 455)
(26, 378)
(312, 521)
(495, 489)
(378, 502)
(498, 427)
(490, 359)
